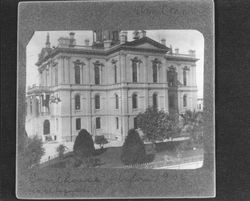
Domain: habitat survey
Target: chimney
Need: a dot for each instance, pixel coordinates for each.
(72, 39)
(176, 50)
(86, 42)
(143, 33)
(107, 44)
(163, 41)
(192, 52)
(136, 34)
(123, 37)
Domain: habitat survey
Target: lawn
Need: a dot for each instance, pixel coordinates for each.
(110, 157)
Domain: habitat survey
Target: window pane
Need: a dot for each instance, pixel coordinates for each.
(134, 73)
(97, 75)
(154, 72)
(77, 102)
(116, 102)
(155, 100)
(97, 102)
(78, 124)
(77, 74)
(134, 101)
(184, 77)
(117, 123)
(115, 69)
(98, 122)
(135, 123)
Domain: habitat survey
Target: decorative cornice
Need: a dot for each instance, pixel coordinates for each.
(78, 62)
(135, 59)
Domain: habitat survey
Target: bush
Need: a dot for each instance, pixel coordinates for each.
(133, 151)
(101, 140)
(32, 153)
(157, 124)
(60, 150)
(83, 148)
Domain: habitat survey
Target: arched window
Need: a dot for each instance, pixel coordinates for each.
(155, 72)
(46, 127)
(97, 101)
(116, 101)
(185, 77)
(134, 71)
(134, 101)
(77, 102)
(185, 101)
(97, 74)
(155, 100)
(77, 74)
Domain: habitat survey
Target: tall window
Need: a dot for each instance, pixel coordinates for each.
(98, 122)
(135, 123)
(116, 101)
(185, 101)
(172, 77)
(117, 122)
(78, 123)
(134, 71)
(134, 101)
(155, 101)
(97, 74)
(185, 77)
(46, 127)
(115, 35)
(56, 75)
(97, 101)
(171, 101)
(77, 102)
(77, 74)
(155, 72)
(115, 71)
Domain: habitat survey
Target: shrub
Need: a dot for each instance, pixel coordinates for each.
(61, 149)
(101, 140)
(133, 151)
(83, 147)
(32, 152)
(157, 124)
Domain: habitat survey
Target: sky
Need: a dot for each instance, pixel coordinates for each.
(182, 39)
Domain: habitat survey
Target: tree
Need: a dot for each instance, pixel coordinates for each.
(101, 140)
(133, 151)
(193, 125)
(157, 124)
(61, 149)
(84, 149)
(32, 152)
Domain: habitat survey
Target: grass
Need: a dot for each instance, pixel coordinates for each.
(110, 157)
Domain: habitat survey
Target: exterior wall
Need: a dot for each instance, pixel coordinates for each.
(63, 115)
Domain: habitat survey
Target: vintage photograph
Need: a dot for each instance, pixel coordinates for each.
(115, 99)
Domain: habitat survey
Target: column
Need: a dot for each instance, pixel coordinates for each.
(146, 81)
(59, 69)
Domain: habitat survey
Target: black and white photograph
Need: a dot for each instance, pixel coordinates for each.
(106, 99)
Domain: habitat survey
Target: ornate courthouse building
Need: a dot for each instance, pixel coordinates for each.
(103, 86)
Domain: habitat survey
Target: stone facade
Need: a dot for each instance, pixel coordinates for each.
(104, 86)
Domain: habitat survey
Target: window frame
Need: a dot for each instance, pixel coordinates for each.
(97, 102)
(135, 101)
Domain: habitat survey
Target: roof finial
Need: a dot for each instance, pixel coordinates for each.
(47, 41)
